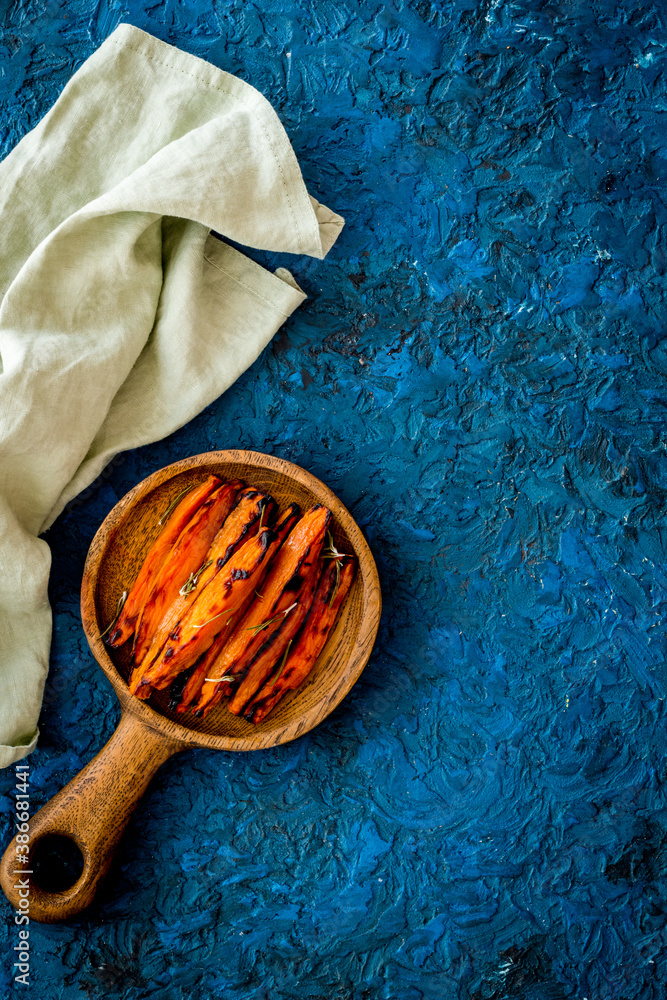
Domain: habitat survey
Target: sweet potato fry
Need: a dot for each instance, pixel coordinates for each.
(211, 613)
(252, 510)
(274, 647)
(331, 592)
(266, 616)
(220, 691)
(143, 585)
(180, 683)
(257, 664)
(185, 558)
(184, 690)
(187, 685)
(251, 507)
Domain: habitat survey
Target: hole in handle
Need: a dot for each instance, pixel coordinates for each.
(56, 862)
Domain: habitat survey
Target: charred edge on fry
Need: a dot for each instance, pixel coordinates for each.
(267, 538)
(177, 686)
(213, 499)
(247, 494)
(265, 503)
(298, 577)
(251, 710)
(334, 583)
(290, 511)
(294, 582)
(268, 642)
(268, 511)
(288, 522)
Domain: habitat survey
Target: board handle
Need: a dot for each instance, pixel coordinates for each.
(91, 812)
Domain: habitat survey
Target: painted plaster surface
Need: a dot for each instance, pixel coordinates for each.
(479, 373)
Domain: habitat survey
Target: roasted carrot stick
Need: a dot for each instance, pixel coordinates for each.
(185, 558)
(211, 613)
(274, 647)
(266, 616)
(251, 508)
(143, 585)
(331, 592)
(183, 692)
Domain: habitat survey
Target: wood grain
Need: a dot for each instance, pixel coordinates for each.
(94, 808)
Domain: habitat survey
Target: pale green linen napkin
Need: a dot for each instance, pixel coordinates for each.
(120, 316)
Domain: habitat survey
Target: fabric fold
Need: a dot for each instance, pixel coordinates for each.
(121, 315)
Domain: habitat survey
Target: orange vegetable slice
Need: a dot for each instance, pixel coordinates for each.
(184, 691)
(331, 592)
(265, 617)
(275, 645)
(185, 558)
(143, 585)
(212, 613)
(250, 508)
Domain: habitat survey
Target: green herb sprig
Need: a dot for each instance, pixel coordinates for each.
(120, 606)
(331, 552)
(282, 662)
(228, 611)
(256, 629)
(193, 579)
(174, 503)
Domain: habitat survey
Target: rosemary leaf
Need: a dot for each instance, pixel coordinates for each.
(282, 662)
(228, 611)
(336, 584)
(193, 580)
(256, 629)
(174, 503)
(121, 604)
(331, 552)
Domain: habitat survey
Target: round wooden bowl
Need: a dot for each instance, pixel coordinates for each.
(93, 810)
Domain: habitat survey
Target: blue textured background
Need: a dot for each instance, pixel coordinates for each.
(479, 373)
